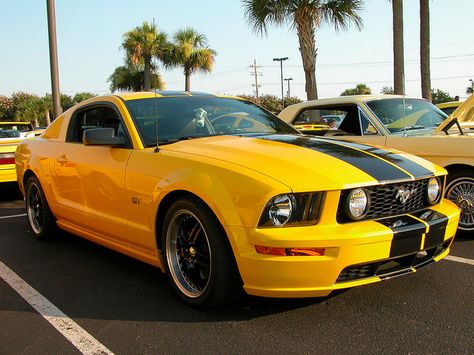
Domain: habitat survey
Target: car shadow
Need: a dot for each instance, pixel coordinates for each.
(9, 191)
(86, 280)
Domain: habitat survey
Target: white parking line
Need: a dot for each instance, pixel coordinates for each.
(13, 216)
(460, 260)
(81, 339)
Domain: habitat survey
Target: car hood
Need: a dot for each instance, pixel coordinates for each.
(307, 163)
(464, 114)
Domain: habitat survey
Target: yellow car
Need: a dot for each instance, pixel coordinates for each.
(7, 160)
(412, 125)
(16, 130)
(218, 208)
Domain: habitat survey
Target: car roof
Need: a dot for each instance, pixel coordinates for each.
(449, 104)
(160, 94)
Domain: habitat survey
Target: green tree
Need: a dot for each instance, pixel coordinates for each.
(83, 96)
(306, 17)
(271, 102)
(425, 49)
(131, 78)
(360, 89)
(387, 90)
(438, 96)
(31, 108)
(66, 101)
(22, 103)
(142, 44)
(398, 52)
(190, 51)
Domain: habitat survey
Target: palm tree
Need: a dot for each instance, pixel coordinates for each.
(425, 49)
(360, 89)
(306, 17)
(398, 53)
(142, 44)
(129, 77)
(190, 51)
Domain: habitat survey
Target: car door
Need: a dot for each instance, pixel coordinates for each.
(90, 180)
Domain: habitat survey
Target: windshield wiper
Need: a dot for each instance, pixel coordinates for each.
(410, 128)
(177, 139)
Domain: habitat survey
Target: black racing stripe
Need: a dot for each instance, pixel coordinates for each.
(377, 168)
(412, 167)
(438, 223)
(407, 235)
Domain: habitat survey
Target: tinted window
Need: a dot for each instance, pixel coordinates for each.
(176, 118)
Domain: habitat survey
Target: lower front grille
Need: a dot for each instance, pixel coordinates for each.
(393, 266)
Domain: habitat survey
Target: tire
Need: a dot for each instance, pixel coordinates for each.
(41, 220)
(198, 259)
(460, 190)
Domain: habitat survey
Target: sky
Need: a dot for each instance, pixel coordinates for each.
(90, 34)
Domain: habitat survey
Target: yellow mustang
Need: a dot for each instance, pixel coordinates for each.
(222, 206)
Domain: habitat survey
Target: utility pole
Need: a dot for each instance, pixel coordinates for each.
(53, 58)
(281, 60)
(288, 81)
(256, 75)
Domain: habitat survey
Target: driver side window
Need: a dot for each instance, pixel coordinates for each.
(94, 117)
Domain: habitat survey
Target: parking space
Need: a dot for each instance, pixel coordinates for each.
(127, 306)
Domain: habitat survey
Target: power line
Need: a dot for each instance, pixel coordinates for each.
(256, 74)
(443, 58)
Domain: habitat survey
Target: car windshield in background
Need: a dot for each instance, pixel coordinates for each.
(402, 115)
(9, 133)
(16, 126)
(178, 118)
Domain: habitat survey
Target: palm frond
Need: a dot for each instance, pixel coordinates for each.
(342, 13)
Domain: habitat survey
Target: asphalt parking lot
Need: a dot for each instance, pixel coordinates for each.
(126, 307)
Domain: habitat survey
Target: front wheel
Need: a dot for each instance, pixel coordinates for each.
(40, 218)
(460, 190)
(199, 261)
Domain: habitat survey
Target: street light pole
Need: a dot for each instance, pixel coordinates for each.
(288, 80)
(281, 72)
(53, 58)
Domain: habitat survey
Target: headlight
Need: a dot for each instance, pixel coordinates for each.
(291, 210)
(281, 209)
(433, 190)
(357, 204)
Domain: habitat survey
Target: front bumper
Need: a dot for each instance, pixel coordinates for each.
(356, 253)
(7, 173)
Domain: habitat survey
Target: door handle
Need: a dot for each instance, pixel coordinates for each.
(62, 159)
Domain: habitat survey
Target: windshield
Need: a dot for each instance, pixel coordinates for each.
(177, 118)
(9, 133)
(401, 115)
(21, 127)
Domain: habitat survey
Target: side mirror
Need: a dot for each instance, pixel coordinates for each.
(102, 136)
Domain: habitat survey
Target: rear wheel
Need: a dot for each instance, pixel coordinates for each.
(199, 261)
(40, 218)
(460, 190)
